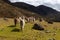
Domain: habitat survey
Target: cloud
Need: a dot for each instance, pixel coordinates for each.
(32, 2)
(40, 2)
(13, 1)
(37, 2)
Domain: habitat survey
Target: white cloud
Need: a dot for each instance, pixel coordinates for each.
(13, 1)
(51, 1)
(32, 2)
(58, 1)
(37, 2)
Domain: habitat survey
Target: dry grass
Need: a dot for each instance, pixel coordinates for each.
(28, 33)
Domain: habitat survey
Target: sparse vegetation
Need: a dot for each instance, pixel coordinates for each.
(7, 10)
(9, 32)
(29, 33)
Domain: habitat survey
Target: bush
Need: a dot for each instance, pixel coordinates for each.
(50, 22)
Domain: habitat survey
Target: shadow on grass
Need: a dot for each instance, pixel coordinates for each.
(15, 30)
(12, 26)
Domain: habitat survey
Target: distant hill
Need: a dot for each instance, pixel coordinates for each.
(41, 9)
(22, 5)
(49, 13)
(46, 12)
(7, 10)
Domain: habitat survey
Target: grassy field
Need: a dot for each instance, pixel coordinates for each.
(6, 32)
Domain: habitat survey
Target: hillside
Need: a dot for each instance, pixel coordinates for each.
(51, 31)
(7, 10)
(46, 12)
(49, 13)
(29, 10)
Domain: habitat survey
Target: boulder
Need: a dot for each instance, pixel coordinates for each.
(50, 22)
(37, 27)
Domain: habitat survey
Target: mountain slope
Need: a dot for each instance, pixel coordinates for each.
(50, 14)
(8, 10)
(45, 11)
(21, 5)
(41, 9)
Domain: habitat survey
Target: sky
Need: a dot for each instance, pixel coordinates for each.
(37, 2)
(40, 2)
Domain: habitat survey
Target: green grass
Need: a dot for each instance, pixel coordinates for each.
(28, 33)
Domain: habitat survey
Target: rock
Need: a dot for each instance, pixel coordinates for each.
(50, 22)
(51, 39)
(38, 27)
